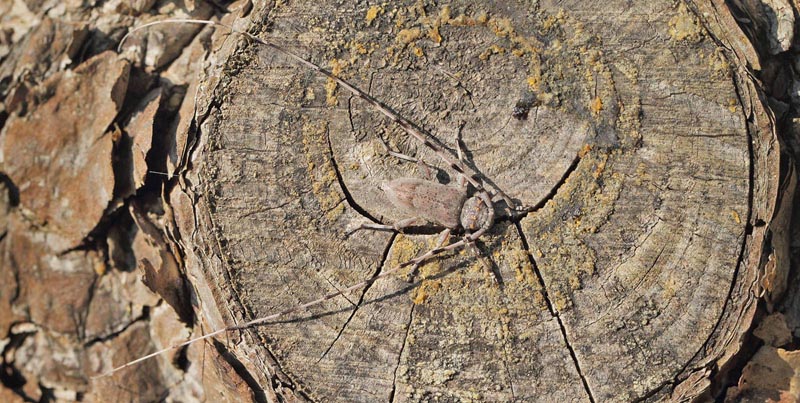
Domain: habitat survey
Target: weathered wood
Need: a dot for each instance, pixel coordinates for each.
(637, 145)
(635, 128)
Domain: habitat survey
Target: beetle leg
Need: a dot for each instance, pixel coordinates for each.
(396, 227)
(439, 242)
(483, 259)
(424, 167)
(462, 179)
(496, 194)
(459, 149)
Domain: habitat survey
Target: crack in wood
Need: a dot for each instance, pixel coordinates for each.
(554, 313)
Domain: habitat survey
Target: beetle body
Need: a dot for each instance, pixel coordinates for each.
(445, 205)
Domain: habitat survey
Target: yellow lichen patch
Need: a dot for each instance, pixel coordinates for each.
(399, 18)
(597, 105)
(372, 14)
(719, 63)
(321, 172)
(337, 66)
(444, 14)
(100, 267)
(437, 376)
(593, 57)
(538, 298)
(501, 27)
(554, 20)
(684, 27)
(670, 288)
(533, 82)
(403, 250)
(463, 20)
(428, 288)
(358, 48)
(309, 95)
(491, 50)
(732, 105)
(641, 175)
(535, 69)
(434, 34)
(588, 75)
(406, 36)
(629, 119)
(560, 301)
(575, 282)
(330, 92)
(430, 27)
(418, 8)
(601, 166)
(519, 260)
(584, 150)
(736, 217)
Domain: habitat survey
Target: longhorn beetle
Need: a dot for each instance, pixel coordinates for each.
(444, 205)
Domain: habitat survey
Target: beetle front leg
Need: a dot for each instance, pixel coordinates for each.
(484, 260)
(462, 180)
(423, 166)
(496, 194)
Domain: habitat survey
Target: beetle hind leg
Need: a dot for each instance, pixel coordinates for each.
(396, 227)
(440, 241)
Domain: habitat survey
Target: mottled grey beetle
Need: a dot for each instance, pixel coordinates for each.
(437, 203)
(448, 206)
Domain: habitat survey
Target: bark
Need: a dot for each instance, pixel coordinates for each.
(196, 180)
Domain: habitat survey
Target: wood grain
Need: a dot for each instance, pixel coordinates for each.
(635, 148)
(192, 181)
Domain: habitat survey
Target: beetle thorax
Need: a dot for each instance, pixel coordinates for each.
(474, 214)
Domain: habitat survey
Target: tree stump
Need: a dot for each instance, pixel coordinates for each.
(629, 279)
(632, 129)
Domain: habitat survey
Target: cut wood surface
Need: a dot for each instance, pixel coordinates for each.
(197, 180)
(635, 150)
